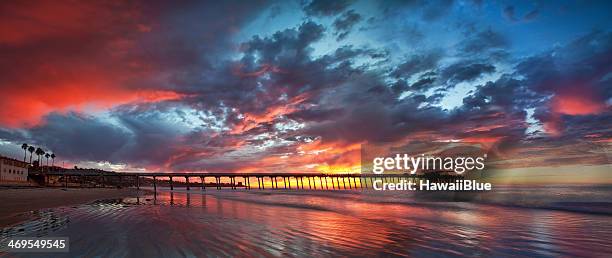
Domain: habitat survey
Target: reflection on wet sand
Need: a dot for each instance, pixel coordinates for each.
(230, 223)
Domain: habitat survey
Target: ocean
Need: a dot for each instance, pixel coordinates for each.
(528, 221)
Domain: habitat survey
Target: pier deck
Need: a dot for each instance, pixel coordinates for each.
(289, 181)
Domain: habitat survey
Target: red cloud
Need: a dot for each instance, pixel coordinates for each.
(18, 112)
(67, 55)
(575, 100)
(577, 104)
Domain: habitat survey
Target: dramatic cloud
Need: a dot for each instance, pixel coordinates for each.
(418, 63)
(460, 72)
(197, 86)
(80, 137)
(574, 79)
(64, 56)
(345, 23)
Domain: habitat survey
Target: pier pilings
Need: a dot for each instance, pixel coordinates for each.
(326, 181)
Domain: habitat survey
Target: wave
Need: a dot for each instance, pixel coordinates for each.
(444, 202)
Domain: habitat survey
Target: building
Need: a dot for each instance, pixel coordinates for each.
(12, 170)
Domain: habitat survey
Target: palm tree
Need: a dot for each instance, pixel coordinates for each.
(31, 150)
(52, 159)
(39, 153)
(47, 156)
(25, 150)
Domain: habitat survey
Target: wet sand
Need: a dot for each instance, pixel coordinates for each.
(16, 204)
(348, 223)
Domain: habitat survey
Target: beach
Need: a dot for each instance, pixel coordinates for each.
(17, 203)
(283, 223)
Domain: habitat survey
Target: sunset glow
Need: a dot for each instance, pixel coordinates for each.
(204, 87)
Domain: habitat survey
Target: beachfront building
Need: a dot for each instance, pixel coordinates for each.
(12, 170)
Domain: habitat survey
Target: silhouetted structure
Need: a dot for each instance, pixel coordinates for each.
(301, 181)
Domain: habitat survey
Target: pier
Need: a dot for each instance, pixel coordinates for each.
(218, 181)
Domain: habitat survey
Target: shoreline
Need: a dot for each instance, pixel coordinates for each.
(15, 203)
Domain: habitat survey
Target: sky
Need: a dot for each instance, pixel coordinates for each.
(300, 86)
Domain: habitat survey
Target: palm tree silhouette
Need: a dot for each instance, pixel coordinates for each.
(31, 150)
(47, 156)
(52, 159)
(25, 150)
(39, 153)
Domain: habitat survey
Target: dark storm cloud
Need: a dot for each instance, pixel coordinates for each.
(16, 136)
(506, 93)
(373, 113)
(326, 8)
(589, 127)
(418, 63)
(586, 59)
(108, 54)
(358, 105)
(79, 137)
(460, 71)
(345, 23)
(582, 65)
(290, 43)
(316, 115)
(545, 78)
(275, 88)
(424, 83)
(141, 136)
(466, 71)
(568, 88)
(120, 51)
(153, 139)
(284, 57)
(289, 52)
(494, 111)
